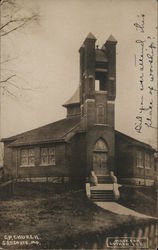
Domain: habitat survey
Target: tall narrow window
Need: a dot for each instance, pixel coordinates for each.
(147, 161)
(48, 156)
(82, 110)
(100, 114)
(27, 157)
(97, 85)
(155, 165)
(139, 159)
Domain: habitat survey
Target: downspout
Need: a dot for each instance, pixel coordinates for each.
(144, 172)
(16, 163)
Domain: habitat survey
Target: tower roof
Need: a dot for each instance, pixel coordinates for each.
(91, 36)
(111, 39)
(82, 47)
(75, 99)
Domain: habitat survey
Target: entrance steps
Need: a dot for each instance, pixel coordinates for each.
(102, 189)
(102, 195)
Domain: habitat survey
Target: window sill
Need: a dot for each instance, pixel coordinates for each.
(47, 165)
(27, 166)
(100, 124)
(140, 167)
(100, 151)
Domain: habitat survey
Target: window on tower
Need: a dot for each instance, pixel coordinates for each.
(97, 85)
(100, 114)
(100, 81)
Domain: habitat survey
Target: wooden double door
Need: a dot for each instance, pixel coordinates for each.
(100, 165)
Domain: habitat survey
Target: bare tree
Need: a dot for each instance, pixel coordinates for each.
(13, 19)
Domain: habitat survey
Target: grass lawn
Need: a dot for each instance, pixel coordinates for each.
(58, 217)
(140, 199)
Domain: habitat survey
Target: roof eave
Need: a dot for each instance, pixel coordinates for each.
(145, 146)
(71, 104)
(134, 142)
(36, 143)
(7, 139)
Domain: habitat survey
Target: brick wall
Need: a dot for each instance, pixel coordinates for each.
(126, 160)
(78, 156)
(9, 169)
(13, 166)
(73, 110)
(144, 172)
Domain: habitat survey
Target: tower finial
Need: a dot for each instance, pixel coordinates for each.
(91, 36)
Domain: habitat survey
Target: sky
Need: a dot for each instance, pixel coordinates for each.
(45, 58)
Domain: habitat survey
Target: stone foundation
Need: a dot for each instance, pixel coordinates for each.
(137, 181)
(44, 179)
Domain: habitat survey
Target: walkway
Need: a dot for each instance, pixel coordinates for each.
(119, 209)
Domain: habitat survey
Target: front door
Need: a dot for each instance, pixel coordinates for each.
(100, 157)
(100, 163)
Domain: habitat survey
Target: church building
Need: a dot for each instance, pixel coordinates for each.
(84, 147)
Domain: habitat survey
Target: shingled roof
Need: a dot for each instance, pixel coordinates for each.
(75, 99)
(53, 132)
(91, 36)
(132, 141)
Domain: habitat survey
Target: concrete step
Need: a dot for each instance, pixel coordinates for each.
(95, 191)
(102, 195)
(102, 187)
(111, 198)
(103, 200)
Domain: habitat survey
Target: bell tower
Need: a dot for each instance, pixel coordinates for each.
(97, 102)
(98, 81)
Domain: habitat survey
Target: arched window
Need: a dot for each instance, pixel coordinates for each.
(100, 146)
(100, 114)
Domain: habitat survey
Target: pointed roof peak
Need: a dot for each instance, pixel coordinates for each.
(82, 46)
(111, 39)
(91, 36)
